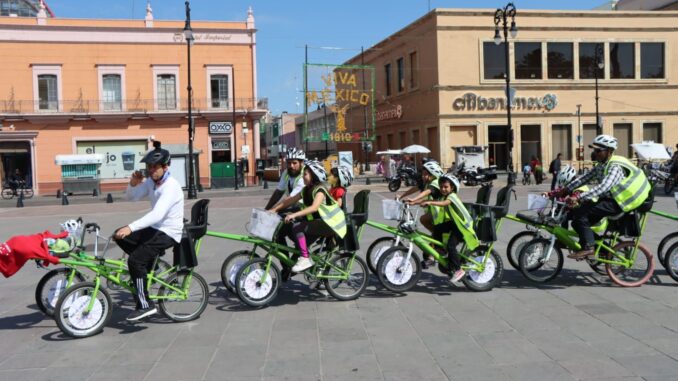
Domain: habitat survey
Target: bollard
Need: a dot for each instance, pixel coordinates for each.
(95, 192)
(20, 202)
(368, 181)
(265, 184)
(64, 199)
(109, 199)
(200, 188)
(58, 193)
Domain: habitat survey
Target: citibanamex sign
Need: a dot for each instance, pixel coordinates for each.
(474, 102)
(395, 112)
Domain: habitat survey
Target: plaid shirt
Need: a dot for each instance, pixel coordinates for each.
(614, 175)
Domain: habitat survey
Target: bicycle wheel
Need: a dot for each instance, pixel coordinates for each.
(394, 185)
(534, 264)
(376, 249)
(640, 271)
(516, 244)
(28, 193)
(232, 264)
(490, 276)
(177, 307)
(598, 267)
(254, 291)
(356, 282)
(52, 285)
(671, 261)
(665, 243)
(397, 273)
(7, 194)
(668, 186)
(71, 315)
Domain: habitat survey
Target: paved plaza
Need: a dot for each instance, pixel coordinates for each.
(578, 327)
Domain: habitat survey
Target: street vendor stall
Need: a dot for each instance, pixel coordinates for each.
(80, 173)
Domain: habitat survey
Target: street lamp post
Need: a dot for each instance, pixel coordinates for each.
(580, 152)
(501, 16)
(600, 64)
(188, 34)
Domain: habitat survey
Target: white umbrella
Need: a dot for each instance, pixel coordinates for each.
(390, 152)
(651, 151)
(416, 148)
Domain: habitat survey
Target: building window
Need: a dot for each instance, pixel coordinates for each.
(167, 92)
(588, 68)
(560, 63)
(590, 133)
(652, 132)
(403, 139)
(401, 74)
(387, 78)
(622, 131)
(494, 60)
(530, 142)
(414, 67)
(219, 91)
(652, 60)
(528, 60)
(48, 92)
(112, 92)
(562, 140)
(622, 60)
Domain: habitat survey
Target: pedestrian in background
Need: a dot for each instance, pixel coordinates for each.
(554, 169)
(537, 170)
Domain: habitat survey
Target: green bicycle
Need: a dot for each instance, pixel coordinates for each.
(669, 257)
(399, 267)
(627, 262)
(84, 308)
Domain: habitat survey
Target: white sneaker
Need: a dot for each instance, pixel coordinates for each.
(458, 275)
(302, 264)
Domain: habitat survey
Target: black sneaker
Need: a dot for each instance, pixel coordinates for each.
(424, 264)
(142, 313)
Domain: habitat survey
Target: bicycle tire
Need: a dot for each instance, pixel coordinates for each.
(180, 278)
(664, 243)
(512, 253)
(668, 185)
(494, 269)
(671, 261)
(390, 273)
(7, 194)
(360, 279)
(250, 290)
(47, 299)
(68, 311)
(531, 265)
(231, 265)
(618, 277)
(370, 254)
(394, 185)
(28, 192)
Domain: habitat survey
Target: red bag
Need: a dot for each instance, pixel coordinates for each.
(19, 249)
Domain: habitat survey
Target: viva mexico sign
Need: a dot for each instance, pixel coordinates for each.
(474, 102)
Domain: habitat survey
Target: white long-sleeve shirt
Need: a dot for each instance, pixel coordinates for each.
(167, 206)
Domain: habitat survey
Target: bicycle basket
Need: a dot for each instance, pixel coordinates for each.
(263, 224)
(391, 209)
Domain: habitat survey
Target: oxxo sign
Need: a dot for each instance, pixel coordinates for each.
(221, 128)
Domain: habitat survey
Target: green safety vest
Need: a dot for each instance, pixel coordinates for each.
(457, 212)
(634, 187)
(331, 214)
(601, 226)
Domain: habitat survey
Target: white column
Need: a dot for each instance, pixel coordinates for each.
(257, 140)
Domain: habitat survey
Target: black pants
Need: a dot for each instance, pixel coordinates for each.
(553, 182)
(143, 247)
(455, 237)
(589, 214)
(313, 230)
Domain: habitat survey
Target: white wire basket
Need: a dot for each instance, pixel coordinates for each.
(391, 209)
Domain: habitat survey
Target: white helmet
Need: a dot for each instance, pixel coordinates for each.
(345, 176)
(317, 169)
(295, 154)
(604, 141)
(71, 226)
(451, 178)
(434, 168)
(565, 175)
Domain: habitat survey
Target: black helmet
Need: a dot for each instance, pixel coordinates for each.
(157, 155)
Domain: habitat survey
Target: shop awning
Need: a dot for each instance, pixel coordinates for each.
(651, 151)
(79, 159)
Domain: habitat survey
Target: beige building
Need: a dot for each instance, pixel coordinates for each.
(440, 82)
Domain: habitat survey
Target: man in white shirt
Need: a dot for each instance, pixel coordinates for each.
(291, 181)
(148, 237)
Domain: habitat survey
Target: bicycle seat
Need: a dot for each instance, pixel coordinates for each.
(197, 227)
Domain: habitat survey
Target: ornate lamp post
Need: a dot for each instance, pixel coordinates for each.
(188, 34)
(600, 64)
(501, 16)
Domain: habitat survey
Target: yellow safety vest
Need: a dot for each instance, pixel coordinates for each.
(634, 187)
(457, 212)
(601, 226)
(330, 212)
(434, 211)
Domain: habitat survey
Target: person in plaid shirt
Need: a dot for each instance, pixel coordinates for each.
(621, 187)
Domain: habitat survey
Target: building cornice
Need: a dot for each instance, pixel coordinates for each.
(562, 28)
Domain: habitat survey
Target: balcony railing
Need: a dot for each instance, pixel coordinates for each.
(129, 106)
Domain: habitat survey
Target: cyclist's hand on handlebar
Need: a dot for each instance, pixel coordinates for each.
(424, 203)
(122, 232)
(136, 179)
(289, 218)
(572, 201)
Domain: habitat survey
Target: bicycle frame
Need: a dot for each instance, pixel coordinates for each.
(664, 214)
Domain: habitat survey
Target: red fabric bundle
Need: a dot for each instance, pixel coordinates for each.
(17, 250)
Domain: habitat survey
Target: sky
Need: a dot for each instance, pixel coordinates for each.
(285, 26)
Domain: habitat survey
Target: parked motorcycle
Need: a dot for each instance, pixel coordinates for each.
(473, 176)
(403, 174)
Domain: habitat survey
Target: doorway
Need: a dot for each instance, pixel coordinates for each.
(16, 156)
(497, 136)
(530, 143)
